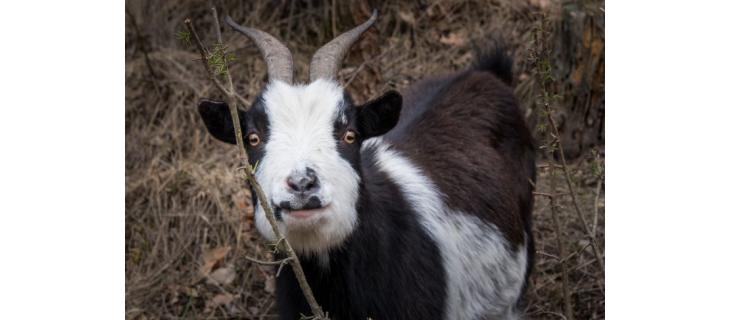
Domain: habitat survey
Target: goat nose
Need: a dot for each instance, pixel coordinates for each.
(303, 182)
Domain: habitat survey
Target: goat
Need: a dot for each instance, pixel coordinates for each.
(406, 207)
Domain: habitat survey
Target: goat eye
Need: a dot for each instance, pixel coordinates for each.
(349, 137)
(253, 139)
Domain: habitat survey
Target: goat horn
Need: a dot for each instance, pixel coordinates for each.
(278, 57)
(326, 61)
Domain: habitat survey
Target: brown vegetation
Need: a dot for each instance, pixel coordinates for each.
(188, 218)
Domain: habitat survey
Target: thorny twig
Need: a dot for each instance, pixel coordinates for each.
(599, 184)
(268, 263)
(232, 101)
(542, 68)
(281, 263)
(363, 65)
(544, 73)
(568, 304)
(569, 182)
(142, 45)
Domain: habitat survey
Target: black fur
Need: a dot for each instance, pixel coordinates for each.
(380, 115)
(495, 60)
(217, 119)
(468, 133)
(372, 119)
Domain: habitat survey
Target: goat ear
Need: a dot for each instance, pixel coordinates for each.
(380, 115)
(217, 119)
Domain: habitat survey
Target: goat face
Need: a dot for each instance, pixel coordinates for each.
(304, 141)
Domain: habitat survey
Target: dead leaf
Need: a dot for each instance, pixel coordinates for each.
(454, 38)
(253, 310)
(270, 284)
(540, 3)
(192, 292)
(407, 17)
(222, 276)
(242, 200)
(463, 59)
(221, 299)
(212, 259)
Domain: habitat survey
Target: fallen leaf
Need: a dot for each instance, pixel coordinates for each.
(270, 284)
(220, 299)
(407, 17)
(212, 258)
(540, 3)
(191, 292)
(242, 200)
(222, 276)
(463, 59)
(253, 310)
(454, 38)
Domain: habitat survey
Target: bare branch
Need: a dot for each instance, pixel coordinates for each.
(232, 99)
(551, 139)
(567, 301)
(569, 182)
(216, 24)
(364, 64)
(268, 263)
(142, 45)
(204, 57)
(543, 70)
(599, 184)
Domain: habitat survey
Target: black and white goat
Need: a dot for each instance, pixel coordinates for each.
(413, 207)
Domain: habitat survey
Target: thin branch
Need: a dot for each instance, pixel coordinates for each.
(569, 181)
(268, 263)
(142, 45)
(567, 301)
(204, 58)
(546, 166)
(249, 175)
(543, 194)
(554, 210)
(544, 73)
(548, 255)
(354, 74)
(219, 36)
(217, 24)
(599, 184)
(549, 195)
(364, 64)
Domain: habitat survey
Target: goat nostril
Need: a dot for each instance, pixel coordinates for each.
(292, 185)
(312, 183)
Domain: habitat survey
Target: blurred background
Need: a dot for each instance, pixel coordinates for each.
(188, 216)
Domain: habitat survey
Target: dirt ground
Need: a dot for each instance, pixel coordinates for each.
(188, 218)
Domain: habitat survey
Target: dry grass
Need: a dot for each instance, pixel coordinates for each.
(188, 220)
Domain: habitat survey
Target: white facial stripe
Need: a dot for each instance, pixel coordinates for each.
(484, 276)
(301, 123)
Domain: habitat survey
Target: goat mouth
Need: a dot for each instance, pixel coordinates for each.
(302, 214)
(306, 213)
(311, 208)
